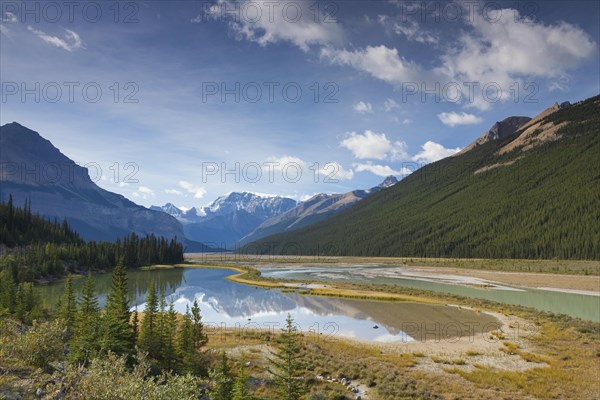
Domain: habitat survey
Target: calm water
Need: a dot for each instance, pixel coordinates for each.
(231, 305)
(576, 305)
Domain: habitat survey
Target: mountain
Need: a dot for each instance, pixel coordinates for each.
(499, 130)
(317, 208)
(32, 168)
(531, 194)
(229, 217)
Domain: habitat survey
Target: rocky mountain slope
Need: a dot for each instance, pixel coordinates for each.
(32, 168)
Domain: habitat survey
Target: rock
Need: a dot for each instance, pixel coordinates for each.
(375, 327)
(39, 392)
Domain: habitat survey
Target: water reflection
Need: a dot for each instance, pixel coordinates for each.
(226, 304)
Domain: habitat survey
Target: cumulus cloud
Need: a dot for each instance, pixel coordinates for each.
(452, 118)
(381, 62)
(71, 42)
(371, 145)
(271, 22)
(377, 169)
(197, 191)
(333, 171)
(363, 108)
(488, 54)
(174, 191)
(510, 48)
(432, 152)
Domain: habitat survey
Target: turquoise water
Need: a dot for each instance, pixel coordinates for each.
(576, 305)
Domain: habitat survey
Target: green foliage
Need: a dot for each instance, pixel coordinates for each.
(117, 332)
(86, 333)
(42, 344)
(148, 340)
(240, 385)
(541, 203)
(221, 380)
(285, 364)
(68, 306)
(111, 378)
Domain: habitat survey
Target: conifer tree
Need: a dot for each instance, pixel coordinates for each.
(68, 306)
(240, 385)
(285, 364)
(118, 335)
(86, 332)
(169, 352)
(148, 330)
(222, 380)
(200, 338)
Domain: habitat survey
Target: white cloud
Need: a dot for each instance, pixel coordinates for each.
(197, 191)
(510, 48)
(146, 190)
(266, 23)
(452, 118)
(379, 170)
(390, 104)
(432, 152)
(409, 28)
(380, 62)
(174, 191)
(71, 42)
(334, 171)
(371, 145)
(279, 163)
(407, 121)
(143, 192)
(363, 108)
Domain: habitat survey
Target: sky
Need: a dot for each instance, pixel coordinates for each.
(183, 101)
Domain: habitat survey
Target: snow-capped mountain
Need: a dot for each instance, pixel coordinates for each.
(315, 209)
(229, 217)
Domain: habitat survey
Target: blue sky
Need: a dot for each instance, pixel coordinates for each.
(350, 91)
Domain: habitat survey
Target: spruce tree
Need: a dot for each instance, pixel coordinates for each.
(285, 364)
(148, 336)
(84, 345)
(169, 352)
(222, 380)
(200, 338)
(68, 306)
(118, 335)
(240, 385)
(191, 359)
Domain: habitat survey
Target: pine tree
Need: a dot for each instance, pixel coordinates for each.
(84, 345)
(222, 380)
(118, 335)
(240, 385)
(169, 352)
(148, 336)
(191, 360)
(285, 364)
(68, 306)
(200, 338)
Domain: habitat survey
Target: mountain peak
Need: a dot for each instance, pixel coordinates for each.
(499, 130)
(388, 181)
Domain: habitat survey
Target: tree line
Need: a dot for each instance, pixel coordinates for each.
(37, 248)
